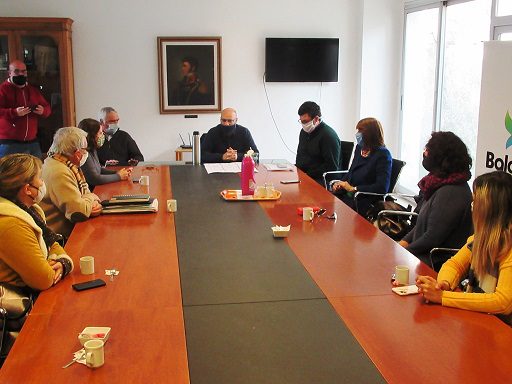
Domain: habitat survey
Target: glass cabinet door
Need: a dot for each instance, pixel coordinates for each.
(4, 57)
(41, 56)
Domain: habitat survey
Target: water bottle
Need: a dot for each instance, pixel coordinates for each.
(196, 149)
(247, 179)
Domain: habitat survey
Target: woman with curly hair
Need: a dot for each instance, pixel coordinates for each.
(487, 256)
(370, 170)
(444, 202)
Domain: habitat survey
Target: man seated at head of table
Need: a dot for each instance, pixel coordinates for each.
(119, 147)
(319, 148)
(68, 199)
(29, 255)
(486, 258)
(94, 173)
(228, 141)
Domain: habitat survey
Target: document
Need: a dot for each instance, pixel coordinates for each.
(235, 167)
(279, 167)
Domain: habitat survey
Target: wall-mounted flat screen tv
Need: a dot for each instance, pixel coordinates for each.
(301, 60)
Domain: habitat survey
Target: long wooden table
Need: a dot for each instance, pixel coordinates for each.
(238, 321)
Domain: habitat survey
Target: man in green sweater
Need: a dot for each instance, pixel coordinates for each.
(319, 147)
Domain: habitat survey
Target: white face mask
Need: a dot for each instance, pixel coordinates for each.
(41, 192)
(84, 158)
(309, 126)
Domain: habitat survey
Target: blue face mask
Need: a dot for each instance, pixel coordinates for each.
(112, 128)
(359, 139)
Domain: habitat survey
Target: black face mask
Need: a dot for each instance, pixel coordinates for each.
(19, 79)
(427, 163)
(229, 130)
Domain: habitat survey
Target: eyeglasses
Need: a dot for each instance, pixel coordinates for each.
(230, 121)
(304, 122)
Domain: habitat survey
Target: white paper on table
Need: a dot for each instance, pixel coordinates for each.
(279, 167)
(235, 167)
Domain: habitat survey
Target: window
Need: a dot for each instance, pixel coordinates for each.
(441, 80)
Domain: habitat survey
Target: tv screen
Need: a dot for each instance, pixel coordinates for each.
(301, 60)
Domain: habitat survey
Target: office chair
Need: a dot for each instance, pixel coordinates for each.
(347, 147)
(443, 255)
(396, 169)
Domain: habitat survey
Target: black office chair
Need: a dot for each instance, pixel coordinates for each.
(396, 169)
(438, 256)
(347, 148)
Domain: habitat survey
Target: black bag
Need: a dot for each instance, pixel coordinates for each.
(15, 304)
(395, 226)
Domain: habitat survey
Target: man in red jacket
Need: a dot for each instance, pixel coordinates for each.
(21, 105)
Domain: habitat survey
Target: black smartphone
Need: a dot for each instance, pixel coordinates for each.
(290, 181)
(89, 285)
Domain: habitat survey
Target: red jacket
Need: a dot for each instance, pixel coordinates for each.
(12, 126)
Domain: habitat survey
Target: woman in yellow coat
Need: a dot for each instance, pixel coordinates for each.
(29, 255)
(486, 258)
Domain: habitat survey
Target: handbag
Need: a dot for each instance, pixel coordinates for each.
(15, 304)
(395, 226)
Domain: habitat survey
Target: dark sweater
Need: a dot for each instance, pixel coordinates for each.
(95, 174)
(368, 174)
(318, 152)
(372, 173)
(444, 221)
(120, 147)
(215, 143)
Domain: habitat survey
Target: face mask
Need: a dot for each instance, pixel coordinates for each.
(100, 141)
(41, 192)
(19, 79)
(84, 158)
(359, 139)
(112, 128)
(427, 163)
(229, 130)
(309, 127)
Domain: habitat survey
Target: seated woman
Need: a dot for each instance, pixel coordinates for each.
(94, 173)
(29, 255)
(68, 199)
(370, 170)
(444, 202)
(487, 256)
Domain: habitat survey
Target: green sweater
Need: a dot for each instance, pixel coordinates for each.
(318, 152)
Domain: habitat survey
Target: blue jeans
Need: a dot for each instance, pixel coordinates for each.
(32, 148)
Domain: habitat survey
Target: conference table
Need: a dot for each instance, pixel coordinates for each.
(207, 295)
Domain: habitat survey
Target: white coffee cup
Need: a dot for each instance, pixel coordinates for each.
(144, 180)
(94, 353)
(402, 274)
(87, 265)
(172, 205)
(307, 213)
(260, 192)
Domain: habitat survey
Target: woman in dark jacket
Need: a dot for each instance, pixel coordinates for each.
(370, 170)
(444, 202)
(94, 173)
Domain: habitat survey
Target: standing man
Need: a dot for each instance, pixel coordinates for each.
(119, 147)
(319, 147)
(21, 105)
(227, 141)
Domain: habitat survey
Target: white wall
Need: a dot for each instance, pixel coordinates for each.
(381, 66)
(115, 59)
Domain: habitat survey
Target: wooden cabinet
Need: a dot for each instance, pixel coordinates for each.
(44, 44)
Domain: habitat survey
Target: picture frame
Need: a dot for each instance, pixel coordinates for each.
(189, 74)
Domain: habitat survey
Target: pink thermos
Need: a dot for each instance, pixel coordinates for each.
(248, 183)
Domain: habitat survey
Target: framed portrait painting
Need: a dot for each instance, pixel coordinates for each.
(190, 74)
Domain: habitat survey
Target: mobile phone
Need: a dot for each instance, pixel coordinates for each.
(89, 285)
(290, 181)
